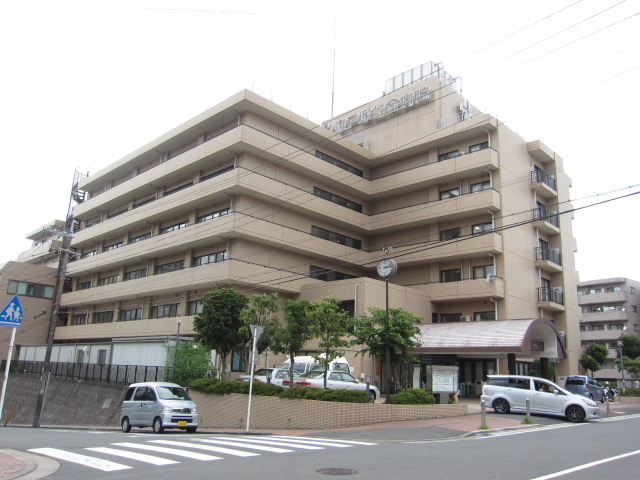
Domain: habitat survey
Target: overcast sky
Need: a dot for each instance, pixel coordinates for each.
(86, 82)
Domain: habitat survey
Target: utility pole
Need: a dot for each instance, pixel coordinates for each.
(67, 235)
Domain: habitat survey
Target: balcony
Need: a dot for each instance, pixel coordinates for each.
(619, 316)
(603, 298)
(543, 184)
(475, 289)
(551, 299)
(546, 221)
(609, 336)
(548, 259)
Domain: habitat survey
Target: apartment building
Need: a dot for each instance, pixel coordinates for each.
(252, 196)
(609, 310)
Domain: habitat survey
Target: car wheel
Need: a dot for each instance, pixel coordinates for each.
(191, 429)
(501, 406)
(157, 425)
(372, 396)
(575, 414)
(126, 426)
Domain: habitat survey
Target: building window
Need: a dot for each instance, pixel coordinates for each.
(450, 317)
(215, 174)
(632, 290)
(88, 254)
(448, 155)
(83, 285)
(113, 246)
(139, 238)
(177, 189)
(173, 228)
(450, 234)
(30, 289)
(144, 201)
(108, 280)
(170, 267)
(164, 311)
(616, 326)
(478, 187)
(194, 307)
(478, 146)
(79, 319)
(238, 363)
(480, 228)
(594, 291)
(132, 275)
(453, 275)
(484, 271)
(332, 197)
(102, 356)
(451, 193)
(584, 328)
(131, 314)
(103, 317)
(634, 308)
(636, 327)
(212, 215)
(612, 289)
(582, 292)
(327, 275)
(484, 316)
(210, 258)
(597, 328)
(335, 237)
(339, 163)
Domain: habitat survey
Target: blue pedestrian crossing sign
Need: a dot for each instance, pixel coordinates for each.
(11, 315)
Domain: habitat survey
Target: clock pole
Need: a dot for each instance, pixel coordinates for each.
(387, 268)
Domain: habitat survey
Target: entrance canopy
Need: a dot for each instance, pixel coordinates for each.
(533, 337)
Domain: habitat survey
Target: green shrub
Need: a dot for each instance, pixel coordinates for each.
(203, 385)
(413, 396)
(222, 387)
(631, 392)
(308, 393)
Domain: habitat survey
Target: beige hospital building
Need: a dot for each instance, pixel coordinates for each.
(251, 196)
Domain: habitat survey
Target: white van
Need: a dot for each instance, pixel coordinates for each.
(304, 364)
(158, 405)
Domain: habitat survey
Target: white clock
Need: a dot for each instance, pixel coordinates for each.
(387, 267)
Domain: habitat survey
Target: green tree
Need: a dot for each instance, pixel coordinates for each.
(589, 363)
(188, 361)
(399, 338)
(535, 370)
(261, 311)
(632, 366)
(598, 352)
(329, 324)
(295, 334)
(630, 347)
(218, 326)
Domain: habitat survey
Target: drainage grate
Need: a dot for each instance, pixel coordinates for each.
(337, 471)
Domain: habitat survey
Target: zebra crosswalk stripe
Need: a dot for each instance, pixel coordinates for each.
(228, 451)
(282, 444)
(142, 457)
(311, 442)
(170, 451)
(262, 448)
(350, 442)
(85, 460)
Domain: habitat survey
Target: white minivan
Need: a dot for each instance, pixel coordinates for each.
(306, 363)
(158, 405)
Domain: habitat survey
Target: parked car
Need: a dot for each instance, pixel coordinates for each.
(509, 393)
(307, 363)
(336, 380)
(275, 376)
(158, 405)
(585, 386)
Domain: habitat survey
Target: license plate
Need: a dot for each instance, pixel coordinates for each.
(182, 423)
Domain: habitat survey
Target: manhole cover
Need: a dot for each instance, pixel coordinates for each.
(337, 471)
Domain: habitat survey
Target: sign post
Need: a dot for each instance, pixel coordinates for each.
(256, 331)
(11, 316)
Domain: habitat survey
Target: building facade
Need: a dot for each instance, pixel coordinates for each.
(609, 309)
(252, 196)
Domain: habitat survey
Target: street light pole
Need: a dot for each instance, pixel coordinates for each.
(620, 345)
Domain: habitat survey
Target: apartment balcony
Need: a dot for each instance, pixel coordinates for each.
(543, 184)
(603, 298)
(47, 250)
(475, 289)
(548, 259)
(608, 336)
(551, 299)
(546, 221)
(151, 327)
(205, 277)
(541, 152)
(470, 247)
(619, 316)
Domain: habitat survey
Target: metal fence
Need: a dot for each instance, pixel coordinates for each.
(93, 372)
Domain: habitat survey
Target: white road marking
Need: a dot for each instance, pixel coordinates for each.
(133, 455)
(85, 460)
(586, 465)
(170, 451)
(309, 442)
(351, 442)
(282, 444)
(228, 451)
(263, 448)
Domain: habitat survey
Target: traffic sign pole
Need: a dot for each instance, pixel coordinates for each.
(5, 379)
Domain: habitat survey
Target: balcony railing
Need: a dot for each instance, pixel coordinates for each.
(546, 294)
(538, 176)
(541, 213)
(548, 254)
